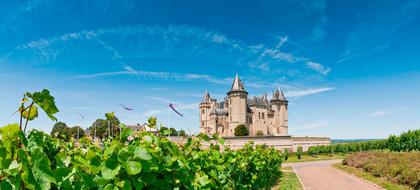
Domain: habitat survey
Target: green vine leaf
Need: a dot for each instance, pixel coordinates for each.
(32, 114)
(45, 101)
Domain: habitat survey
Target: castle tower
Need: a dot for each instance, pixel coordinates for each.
(205, 109)
(237, 106)
(280, 120)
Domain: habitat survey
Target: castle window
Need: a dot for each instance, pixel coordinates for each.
(202, 111)
(202, 123)
(259, 115)
(263, 115)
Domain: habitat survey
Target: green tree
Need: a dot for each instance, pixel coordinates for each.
(241, 130)
(173, 132)
(110, 126)
(58, 129)
(73, 132)
(101, 127)
(182, 133)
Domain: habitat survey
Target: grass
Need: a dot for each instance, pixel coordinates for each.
(288, 180)
(305, 158)
(367, 176)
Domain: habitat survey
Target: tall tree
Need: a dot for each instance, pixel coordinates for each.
(59, 129)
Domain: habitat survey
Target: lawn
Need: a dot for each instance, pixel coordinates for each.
(288, 180)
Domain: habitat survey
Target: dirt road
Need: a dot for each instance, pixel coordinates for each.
(320, 175)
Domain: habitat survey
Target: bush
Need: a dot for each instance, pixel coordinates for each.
(241, 130)
(299, 152)
(398, 167)
(260, 133)
(286, 153)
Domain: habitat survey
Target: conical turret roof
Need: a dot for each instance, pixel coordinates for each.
(206, 97)
(278, 95)
(237, 85)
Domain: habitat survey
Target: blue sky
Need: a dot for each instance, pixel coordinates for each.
(350, 69)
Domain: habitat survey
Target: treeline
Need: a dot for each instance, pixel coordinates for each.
(61, 130)
(407, 141)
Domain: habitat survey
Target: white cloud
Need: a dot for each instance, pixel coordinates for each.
(318, 67)
(130, 69)
(218, 38)
(306, 92)
(380, 113)
(161, 75)
(104, 74)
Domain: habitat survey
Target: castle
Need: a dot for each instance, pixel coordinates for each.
(260, 115)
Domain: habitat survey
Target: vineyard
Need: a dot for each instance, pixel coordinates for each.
(397, 167)
(132, 160)
(407, 141)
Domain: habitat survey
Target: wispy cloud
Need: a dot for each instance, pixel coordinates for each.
(380, 113)
(318, 67)
(104, 74)
(161, 75)
(169, 42)
(177, 104)
(306, 92)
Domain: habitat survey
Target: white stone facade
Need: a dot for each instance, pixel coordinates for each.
(260, 115)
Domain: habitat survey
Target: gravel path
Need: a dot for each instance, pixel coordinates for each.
(320, 175)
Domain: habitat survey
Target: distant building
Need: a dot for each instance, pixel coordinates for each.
(141, 127)
(259, 114)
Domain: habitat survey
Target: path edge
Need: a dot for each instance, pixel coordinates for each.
(298, 176)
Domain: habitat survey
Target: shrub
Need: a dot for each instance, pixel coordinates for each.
(286, 153)
(241, 130)
(260, 133)
(299, 152)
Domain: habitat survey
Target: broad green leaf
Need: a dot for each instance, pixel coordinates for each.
(32, 114)
(45, 101)
(8, 132)
(132, 167)
(5, 185)
(110, 168)
(41, 170)
(87, 181)
(140, 152)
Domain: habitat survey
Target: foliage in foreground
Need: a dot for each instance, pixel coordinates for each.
(407, 141)
(137, 161)
(398, 167)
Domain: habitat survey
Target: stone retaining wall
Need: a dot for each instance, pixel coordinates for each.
(278, 142)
